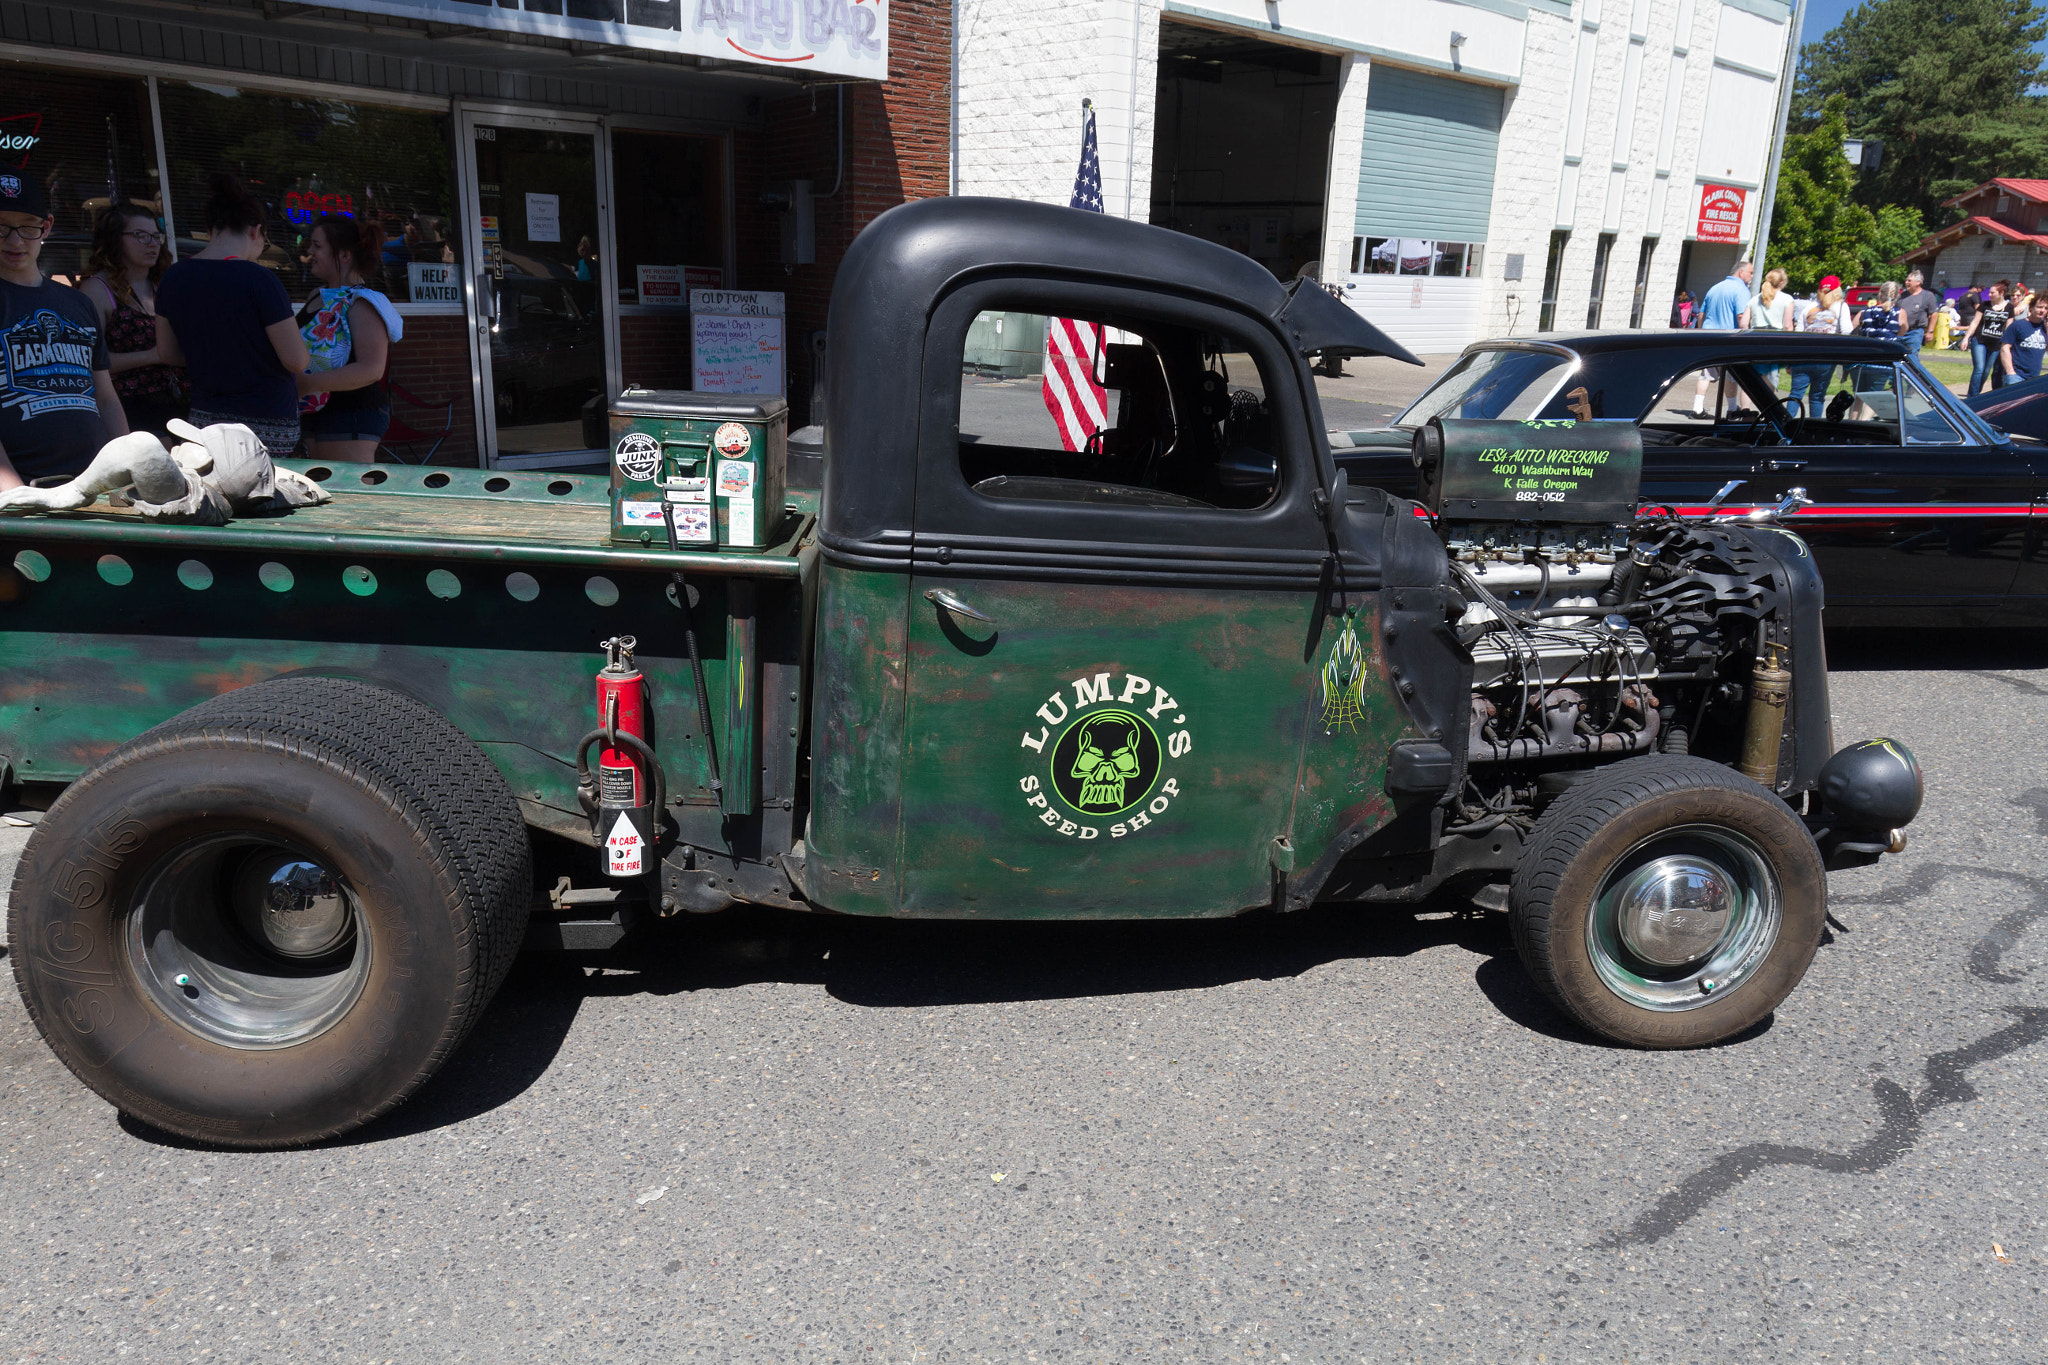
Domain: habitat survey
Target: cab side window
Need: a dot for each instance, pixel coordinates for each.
(1757, 404)
(1110, 409)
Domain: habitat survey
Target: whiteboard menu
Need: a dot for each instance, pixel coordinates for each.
(736, 341)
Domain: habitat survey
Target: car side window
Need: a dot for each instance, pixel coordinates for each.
(1106, 409)
(1758, 404)
(1924, 422)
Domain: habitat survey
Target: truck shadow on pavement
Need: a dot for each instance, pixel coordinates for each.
(900, 964)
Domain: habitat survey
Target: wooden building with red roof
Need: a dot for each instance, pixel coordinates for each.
(2002, 234)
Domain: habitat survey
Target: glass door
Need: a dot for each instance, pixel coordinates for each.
(537, 220)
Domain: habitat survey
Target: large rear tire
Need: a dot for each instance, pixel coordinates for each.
(1668, 902)
(270, 919)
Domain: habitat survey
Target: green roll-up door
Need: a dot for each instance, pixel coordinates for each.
(1430, 144)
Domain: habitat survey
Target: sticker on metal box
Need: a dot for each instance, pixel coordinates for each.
(693, 522)
(640, 513)
(735, 477)
(731, 439)
(639, 456)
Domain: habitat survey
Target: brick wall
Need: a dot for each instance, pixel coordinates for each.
(897, 149)
(654, 353)
(432, 364)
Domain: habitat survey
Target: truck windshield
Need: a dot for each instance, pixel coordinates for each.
(1511, 384)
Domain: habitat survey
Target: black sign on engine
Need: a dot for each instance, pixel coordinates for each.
(1550, 471)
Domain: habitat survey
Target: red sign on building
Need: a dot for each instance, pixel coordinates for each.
(1721, 213)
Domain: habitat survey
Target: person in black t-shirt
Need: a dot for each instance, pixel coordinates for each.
(57, 400)
(228, 321)
(1985, 335)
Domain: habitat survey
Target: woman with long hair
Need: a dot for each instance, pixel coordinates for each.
(129, 257)
(1825, 316)
(349, 326)
(1986, 334)
(1773, 311)
(227, 319)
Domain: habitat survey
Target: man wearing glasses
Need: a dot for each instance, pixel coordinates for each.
(57, 399)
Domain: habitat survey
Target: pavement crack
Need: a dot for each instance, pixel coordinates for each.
(1899, 1130)
(1946, 1073)
(1989, 951)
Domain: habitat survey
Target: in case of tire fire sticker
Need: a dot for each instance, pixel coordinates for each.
(623, 849)
(639, 456)
(1107, 759)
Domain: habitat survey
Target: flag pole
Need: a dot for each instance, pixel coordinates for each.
(1761, 238)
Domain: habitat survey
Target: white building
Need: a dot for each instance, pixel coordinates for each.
(1463, 168)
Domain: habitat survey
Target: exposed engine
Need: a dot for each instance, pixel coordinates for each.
(1596, 640)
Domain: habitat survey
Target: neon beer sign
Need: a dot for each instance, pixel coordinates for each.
(303, 206)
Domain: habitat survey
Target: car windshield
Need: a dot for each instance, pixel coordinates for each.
(1509, 384)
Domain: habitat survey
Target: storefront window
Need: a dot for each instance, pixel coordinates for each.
(89, 141)
(306, 158)
(671, 220)
(1413, 256)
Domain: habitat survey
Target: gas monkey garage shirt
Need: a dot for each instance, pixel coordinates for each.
(50, 344)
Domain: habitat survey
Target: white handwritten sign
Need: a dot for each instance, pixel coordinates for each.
(736, 341)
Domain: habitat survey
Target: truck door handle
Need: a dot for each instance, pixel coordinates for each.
(1781, 466)
(939, 597)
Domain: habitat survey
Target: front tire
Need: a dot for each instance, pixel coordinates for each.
(270, 919)
(1668, 902)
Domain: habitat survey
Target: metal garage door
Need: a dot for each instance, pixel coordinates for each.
(1430, 144)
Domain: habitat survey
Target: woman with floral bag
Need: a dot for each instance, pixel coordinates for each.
(344, 408)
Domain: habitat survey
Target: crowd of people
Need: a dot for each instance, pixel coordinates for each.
(144, 338)
(2003, 326)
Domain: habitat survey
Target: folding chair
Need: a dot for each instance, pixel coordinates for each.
(403, 434)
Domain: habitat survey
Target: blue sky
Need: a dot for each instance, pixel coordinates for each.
(1822, 15)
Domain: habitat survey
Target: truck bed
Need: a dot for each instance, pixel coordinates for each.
(484, 595)
(414, 511)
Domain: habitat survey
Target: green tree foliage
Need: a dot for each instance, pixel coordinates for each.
(1945, 83)
(1895, 231)
(1816, 228)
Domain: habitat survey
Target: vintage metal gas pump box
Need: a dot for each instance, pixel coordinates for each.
(712, 462)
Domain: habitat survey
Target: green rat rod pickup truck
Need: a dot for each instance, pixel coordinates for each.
(309, 781)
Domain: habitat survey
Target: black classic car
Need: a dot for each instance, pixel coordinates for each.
(2020, 408)
(1922, 512)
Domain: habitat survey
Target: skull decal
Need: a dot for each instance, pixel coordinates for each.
(1105, 762)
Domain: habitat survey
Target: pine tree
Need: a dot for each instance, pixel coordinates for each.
(1946, 84)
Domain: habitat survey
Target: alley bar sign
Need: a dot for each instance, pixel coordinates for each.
(830, 37)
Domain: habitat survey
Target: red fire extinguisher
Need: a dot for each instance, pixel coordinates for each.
(626, 794)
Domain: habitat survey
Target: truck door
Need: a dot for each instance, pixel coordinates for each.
(1107, 684)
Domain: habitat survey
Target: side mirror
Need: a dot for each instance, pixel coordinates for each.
(1333, 503)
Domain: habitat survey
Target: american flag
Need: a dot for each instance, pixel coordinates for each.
(1078, 403)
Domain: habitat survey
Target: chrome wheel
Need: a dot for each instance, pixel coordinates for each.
(1683, 917)
(247, 942)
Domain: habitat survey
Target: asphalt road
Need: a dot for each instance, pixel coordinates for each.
(1355, 1135)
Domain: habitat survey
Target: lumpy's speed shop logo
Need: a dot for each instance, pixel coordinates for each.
(1105, 762)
